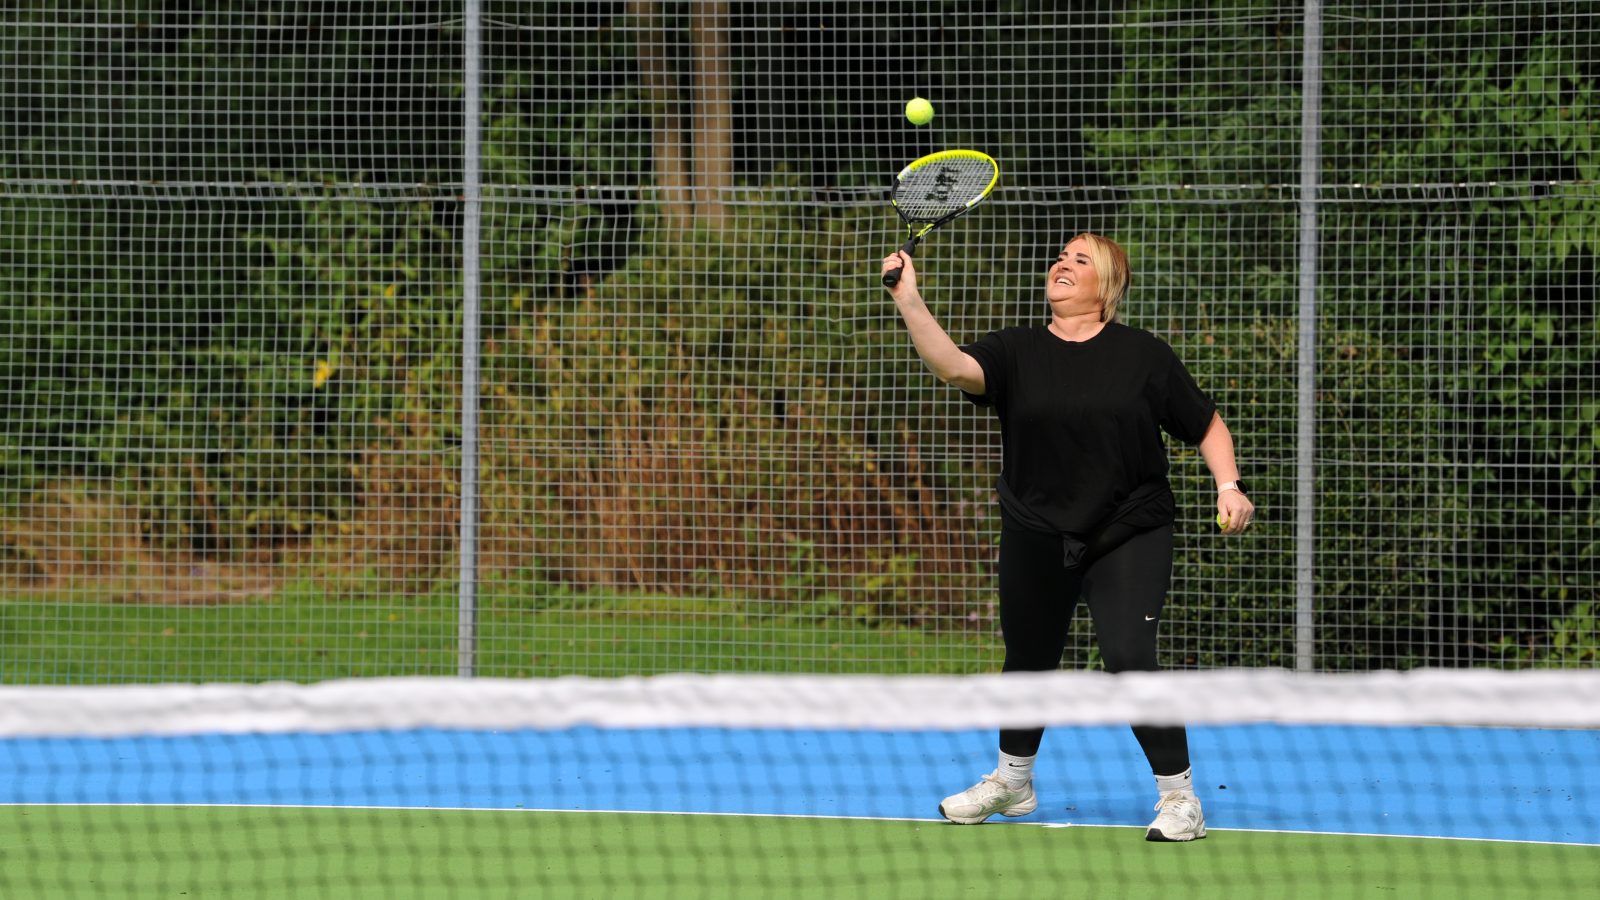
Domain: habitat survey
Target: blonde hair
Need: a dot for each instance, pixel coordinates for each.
(1110, 263)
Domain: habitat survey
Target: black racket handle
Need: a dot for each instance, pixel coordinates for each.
(892, 277)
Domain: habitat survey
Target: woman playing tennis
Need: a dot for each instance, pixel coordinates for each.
(1086, 510)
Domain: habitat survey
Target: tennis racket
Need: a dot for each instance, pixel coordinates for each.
(937, 188)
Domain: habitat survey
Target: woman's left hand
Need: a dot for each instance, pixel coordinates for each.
(1235, 512)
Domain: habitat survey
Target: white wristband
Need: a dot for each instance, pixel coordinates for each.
(1228, 486)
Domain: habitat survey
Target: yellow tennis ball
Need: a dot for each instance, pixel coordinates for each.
(1221, 522)
(919, 111)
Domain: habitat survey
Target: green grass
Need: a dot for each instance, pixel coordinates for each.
(261, 852)
(284, 852)
(302, 635)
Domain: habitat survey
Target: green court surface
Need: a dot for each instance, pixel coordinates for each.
(161, 851)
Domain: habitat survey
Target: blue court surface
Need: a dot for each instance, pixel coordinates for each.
(1499, 784)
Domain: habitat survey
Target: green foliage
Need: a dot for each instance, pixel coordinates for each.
(1457, 339)
(722, 404)
(704, 401)
(260, 86)
(1576, 641)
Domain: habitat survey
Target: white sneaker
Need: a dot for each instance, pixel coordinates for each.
(1178, 819)
(989, 796)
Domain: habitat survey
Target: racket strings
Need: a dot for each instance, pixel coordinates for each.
(933, 191)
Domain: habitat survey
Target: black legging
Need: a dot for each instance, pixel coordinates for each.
(1124, 576)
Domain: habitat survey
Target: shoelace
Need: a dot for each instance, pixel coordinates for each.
(1000, 783)
(1173, 798)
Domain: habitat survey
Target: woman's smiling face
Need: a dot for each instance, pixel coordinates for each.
(1073, 280)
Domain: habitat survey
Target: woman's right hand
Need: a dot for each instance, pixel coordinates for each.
(908, 278)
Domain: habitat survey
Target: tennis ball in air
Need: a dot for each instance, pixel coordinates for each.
(919, 111)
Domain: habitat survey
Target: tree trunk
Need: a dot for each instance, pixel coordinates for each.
(664, 109)
(713, 110)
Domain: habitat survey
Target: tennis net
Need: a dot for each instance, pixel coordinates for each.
(1429, 783)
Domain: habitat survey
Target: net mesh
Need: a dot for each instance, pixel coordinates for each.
(1422, 784)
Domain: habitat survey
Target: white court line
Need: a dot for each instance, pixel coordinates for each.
(749, 815)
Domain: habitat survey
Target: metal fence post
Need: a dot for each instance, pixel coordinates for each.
(467, 627)
(1306, 367)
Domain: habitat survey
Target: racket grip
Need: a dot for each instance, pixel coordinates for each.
(892, 277)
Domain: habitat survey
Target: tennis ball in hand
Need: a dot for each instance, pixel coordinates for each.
(1222, 521)
(919, 111)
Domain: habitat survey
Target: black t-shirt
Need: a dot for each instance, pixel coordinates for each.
(1081, 423)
